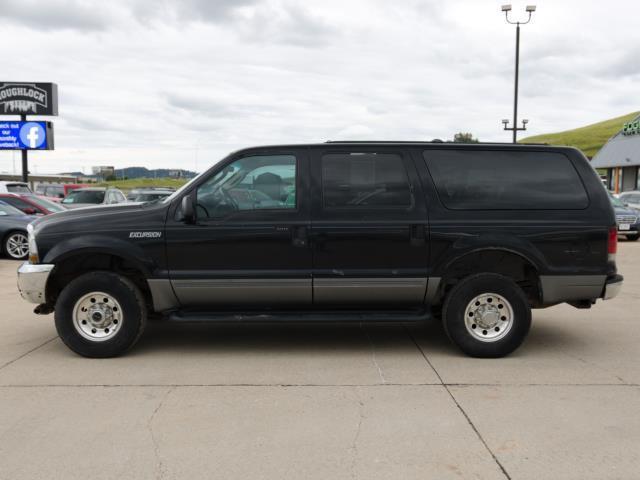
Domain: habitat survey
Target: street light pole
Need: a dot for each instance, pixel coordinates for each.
(515, 91)
(515, 129)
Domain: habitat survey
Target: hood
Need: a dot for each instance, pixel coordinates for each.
(92, 218)
(17, 220)
(626, 211)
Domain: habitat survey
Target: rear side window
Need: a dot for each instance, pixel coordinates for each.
(503, 180)
(18, 188)
(16, 202)
(365, 180)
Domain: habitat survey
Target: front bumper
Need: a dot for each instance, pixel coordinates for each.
(32, 281)
(612, 287)
(631, 231)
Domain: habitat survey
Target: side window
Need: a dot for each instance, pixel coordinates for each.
(119, 197)
(365, 181)
(17, 203)
(505, 180)
(260, 182)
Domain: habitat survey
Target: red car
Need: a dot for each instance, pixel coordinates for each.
(31, 204)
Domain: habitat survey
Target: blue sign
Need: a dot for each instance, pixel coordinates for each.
(26, 136)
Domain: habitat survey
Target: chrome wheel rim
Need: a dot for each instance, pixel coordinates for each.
(18, 245)
(97, 316)
(488, 317)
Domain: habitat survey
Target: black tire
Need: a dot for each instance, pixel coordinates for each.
(632, 238)
(5, 244)
(455, 305)
(124, 292)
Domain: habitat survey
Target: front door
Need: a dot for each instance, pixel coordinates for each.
(248, 244)
(369, 228)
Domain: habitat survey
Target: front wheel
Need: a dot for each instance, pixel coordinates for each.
(487, 315)
(100, 314)
(632, 238)
(16, 245)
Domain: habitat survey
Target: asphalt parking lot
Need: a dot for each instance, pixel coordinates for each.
(326, 402)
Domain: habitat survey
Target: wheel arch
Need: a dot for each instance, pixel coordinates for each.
(501, 260)
(72, 264)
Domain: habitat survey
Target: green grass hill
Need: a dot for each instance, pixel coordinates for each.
(589, 139)
(145, 182)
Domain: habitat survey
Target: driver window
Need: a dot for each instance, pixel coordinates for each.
(260, 182)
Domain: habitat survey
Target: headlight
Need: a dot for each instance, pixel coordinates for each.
(33, 246)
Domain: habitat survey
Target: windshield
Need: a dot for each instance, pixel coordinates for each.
(47, 204)
(148, 197)
(617, 202)
(183, 188)
(18, 188)
(8, 210)
(85, 196)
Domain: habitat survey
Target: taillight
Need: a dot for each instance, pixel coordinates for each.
(612, 244)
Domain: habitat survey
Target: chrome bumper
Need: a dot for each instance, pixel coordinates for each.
(32, 281)
(612, 287)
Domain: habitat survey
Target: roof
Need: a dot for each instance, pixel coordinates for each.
(94, 189)
(620, 151)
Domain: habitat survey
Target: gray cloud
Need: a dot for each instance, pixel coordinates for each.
(56, 14)
(156, 81)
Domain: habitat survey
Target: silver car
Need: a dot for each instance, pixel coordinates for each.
(93, 197)
(632, 199)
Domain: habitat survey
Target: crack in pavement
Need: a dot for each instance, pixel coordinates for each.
(354, 443)
(315, 385)
(27, 353)
(154, 441)
(462, 411)
(373, 354)
(595, 365)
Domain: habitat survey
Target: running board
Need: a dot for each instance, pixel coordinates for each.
(324, 316)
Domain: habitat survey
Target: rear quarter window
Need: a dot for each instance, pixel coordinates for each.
(506, 180)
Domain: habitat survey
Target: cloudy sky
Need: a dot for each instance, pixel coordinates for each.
(168, 83)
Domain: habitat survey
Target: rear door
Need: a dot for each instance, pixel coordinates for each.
(369, 228)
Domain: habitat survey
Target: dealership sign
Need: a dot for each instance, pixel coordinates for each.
(26, 136)
(631, 128)
(24, 98)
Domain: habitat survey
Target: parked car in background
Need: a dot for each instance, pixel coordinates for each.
(93, 196)
(14, 240)
(57, 191)
(627, 219)
(631, 199)
(144, 195)
(31, 204)
(14, 187)
(134, 193)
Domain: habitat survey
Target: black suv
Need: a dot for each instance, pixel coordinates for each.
(340, 231)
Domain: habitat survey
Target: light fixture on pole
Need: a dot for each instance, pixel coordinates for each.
(515, 129)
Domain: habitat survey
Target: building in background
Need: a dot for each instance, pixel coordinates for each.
(620, 156)
(104, 172)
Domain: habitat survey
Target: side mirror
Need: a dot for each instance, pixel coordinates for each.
(30, 211)
(188, 212)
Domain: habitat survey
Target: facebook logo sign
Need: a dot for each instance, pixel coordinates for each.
(32, 135)
(26, 136)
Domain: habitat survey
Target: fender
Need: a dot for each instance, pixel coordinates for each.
(104, 244)
(470, 244)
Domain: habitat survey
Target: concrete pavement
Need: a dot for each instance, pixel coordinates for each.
(325, 401)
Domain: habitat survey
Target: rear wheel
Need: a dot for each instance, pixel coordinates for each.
(487, 315)
(100, 314)
(16, 245)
